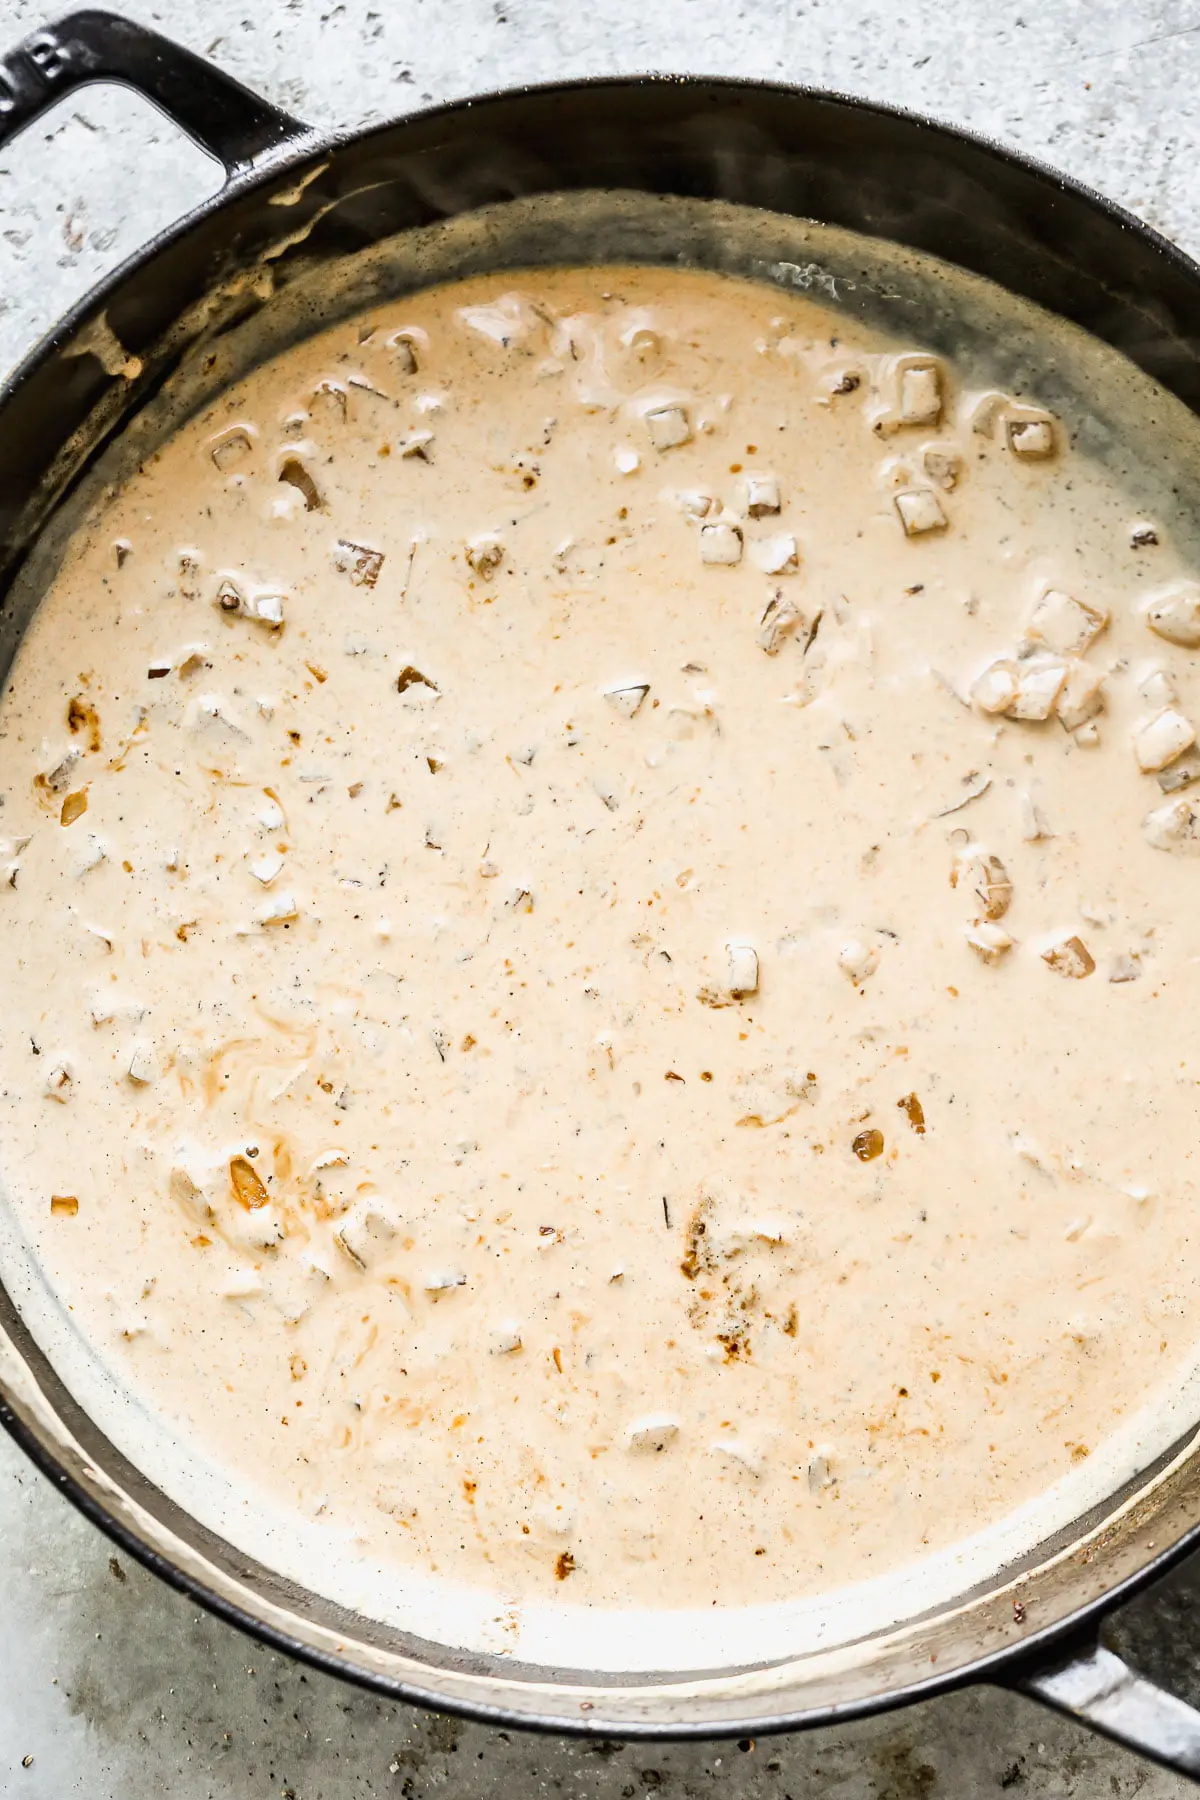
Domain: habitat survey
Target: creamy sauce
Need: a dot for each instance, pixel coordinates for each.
(600, 944)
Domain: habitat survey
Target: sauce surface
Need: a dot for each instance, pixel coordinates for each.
(600, 908)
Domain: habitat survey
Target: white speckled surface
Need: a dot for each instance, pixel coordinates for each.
(115, 1688)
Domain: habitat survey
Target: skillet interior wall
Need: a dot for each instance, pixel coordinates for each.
(1115, 413)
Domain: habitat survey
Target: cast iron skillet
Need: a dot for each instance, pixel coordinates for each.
(817, 156)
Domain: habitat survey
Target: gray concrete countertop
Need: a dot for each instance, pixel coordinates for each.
(113, 1688)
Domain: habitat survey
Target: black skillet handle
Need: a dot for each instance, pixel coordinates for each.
(1100, 1690)
(221, 115)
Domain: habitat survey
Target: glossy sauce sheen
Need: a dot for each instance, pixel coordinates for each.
(509, 1045)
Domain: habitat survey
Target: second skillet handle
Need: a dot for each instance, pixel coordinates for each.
(1097, 1688)
(221, 115)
